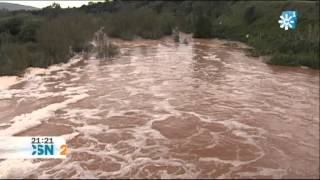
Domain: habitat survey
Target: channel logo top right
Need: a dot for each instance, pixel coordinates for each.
(288, 20)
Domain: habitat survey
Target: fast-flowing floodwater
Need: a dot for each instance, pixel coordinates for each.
(166, 110)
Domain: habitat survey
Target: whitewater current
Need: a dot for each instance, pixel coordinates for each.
(167, 110)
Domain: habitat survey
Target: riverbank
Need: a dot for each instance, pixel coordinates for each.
(7, 81)
(34, 39)
(169, 110)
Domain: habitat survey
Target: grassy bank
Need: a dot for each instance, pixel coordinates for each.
(256, 23)
(32, 41)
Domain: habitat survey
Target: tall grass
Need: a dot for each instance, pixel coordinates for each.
(30, 42)
(144, 23)
(256, 23)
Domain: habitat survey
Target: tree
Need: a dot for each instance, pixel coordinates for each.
(55, 6)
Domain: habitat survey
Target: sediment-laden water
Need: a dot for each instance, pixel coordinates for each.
(167, 110)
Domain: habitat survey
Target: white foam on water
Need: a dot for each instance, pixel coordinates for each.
(31, 71)
(212, 57)
(63, 66)
(84, 113)
(166, 106)
(285, 135)
(274, 173)
(238, 125)
(247, 132)
(75, 79)
(234, 163)
(68, 137)
(17, 168)
(7, 81)
(26, 121)
(5, 95)
(89, 129)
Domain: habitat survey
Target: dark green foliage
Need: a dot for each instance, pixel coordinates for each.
(63, 35)
(145, 23)
(13, 59)
(167, 22)
(32, 42)
(148, 24)
(294, 59)
(250, 14)
(259, 20)
(52, 11)
(20, 28)
(11, 25)
(119, 25)
(29, 30)
(203, 27)
(5, 37)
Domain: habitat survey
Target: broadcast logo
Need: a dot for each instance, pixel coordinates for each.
(32, 147)
(288, 20)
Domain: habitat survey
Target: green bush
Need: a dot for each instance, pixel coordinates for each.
(292, 47)
(29, 30)
(120, 25)
(167, 23)
(250, 15)
(6, 37)
(145, 23)
(148, 26)
(203, 27)
(292, 59)
(13, 59)
(62, 35)
(11, 25)
(30, 42)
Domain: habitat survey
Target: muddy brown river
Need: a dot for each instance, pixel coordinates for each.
(166, 110)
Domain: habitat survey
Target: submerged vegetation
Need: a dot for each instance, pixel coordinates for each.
(104, 47)
(176, 36)
(52, 35)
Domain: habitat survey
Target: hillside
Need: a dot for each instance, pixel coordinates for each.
(15, 7)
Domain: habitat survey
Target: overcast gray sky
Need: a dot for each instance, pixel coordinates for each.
(41, 4)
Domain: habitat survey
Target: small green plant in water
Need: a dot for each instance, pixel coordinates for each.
(176, 35)
(105, 48)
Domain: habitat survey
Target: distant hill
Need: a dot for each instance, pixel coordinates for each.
(15, 7)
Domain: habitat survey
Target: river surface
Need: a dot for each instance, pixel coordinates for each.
(166, 110)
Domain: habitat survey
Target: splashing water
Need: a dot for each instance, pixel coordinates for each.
(167, 110)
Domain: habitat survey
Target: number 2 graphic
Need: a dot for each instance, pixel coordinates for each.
(63, 149)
